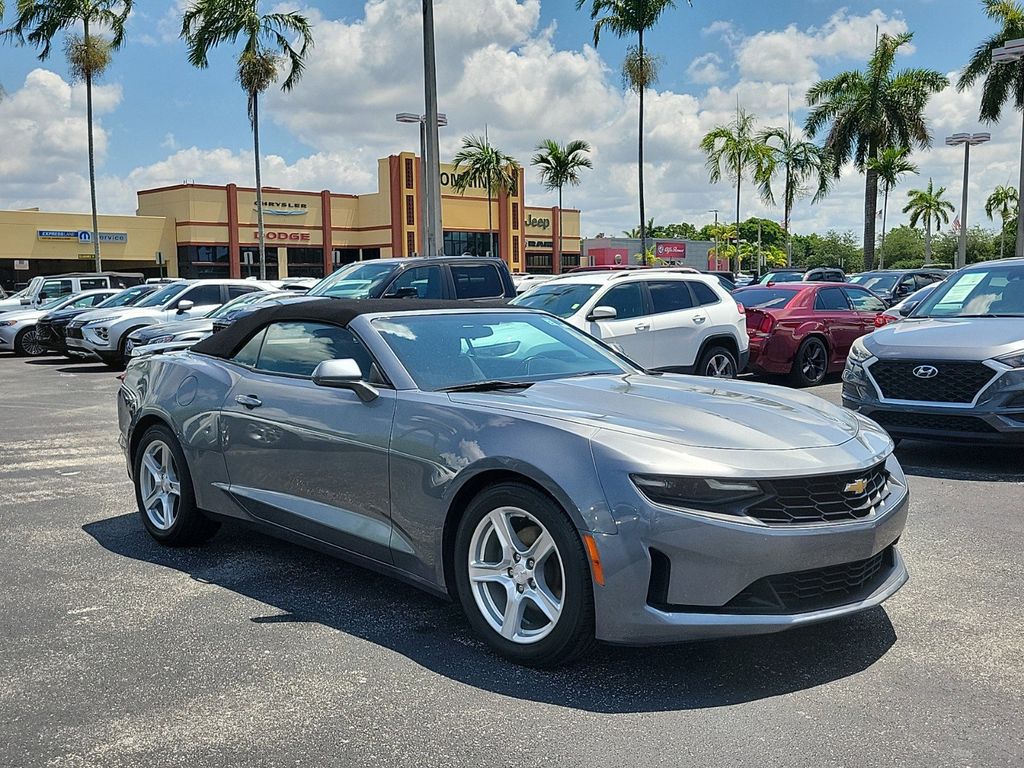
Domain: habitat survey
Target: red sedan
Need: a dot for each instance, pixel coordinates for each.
(805, 329)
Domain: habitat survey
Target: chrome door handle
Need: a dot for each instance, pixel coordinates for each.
(249, 401)
(699, 319)
(642, 326)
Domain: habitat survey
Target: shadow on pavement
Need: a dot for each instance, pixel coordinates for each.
(306, 586)
(950, 461)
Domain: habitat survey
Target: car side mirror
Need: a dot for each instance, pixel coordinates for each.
(907, 308)
(407, 292)
(603, 313)
(185, 305)
(344, 374)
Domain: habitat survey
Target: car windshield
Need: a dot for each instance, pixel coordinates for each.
(126, 298)
(361, 280)
(56, 303)
(782, 277)
(880, 283)
(493, 349)
(989, 291)
(237, 303)
(764, 298)
(161, 297)
(558, 299)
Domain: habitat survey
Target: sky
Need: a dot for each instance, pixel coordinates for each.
(525, 69)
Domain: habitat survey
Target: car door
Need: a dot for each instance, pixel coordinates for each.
(476, 282)
(630, 329)
(426, 282)
(866, 305)
(678, 324)
(308, 458)
(842, 324)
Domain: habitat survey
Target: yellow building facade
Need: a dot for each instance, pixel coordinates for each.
(201, 230)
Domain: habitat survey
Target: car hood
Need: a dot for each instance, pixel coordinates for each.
(23, 314)
(199, 324)
(120, 313)
(688, 410)
(969, 338)
(66, 314)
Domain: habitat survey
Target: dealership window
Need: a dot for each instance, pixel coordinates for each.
(251, 262)
(410, 210)
(198, 261)
(472, 243)
(515, 247)
(570, 260)
(408, 173)
(410, 243)
(538, 263)
(305, 262)
(371, 253)
(515, 216)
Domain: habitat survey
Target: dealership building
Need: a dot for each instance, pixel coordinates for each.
(202, 230)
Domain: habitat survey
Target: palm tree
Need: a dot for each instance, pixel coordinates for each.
(1003, 201)
(869, 110)
(737, 147)
(39, 21)
(891, 165)
(266, 50)
(626, 18)
(803, 163)
(560, 165)
(480, 164)
(1003, 82)
(928, 206)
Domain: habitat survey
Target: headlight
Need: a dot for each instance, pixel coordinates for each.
(859, 352)
(97, 320)
(161, 339)
(729, 497)
(1014, 360)
(5, 323)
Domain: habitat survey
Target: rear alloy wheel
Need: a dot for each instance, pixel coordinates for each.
(811, 363)
(523, 578)
(164, 493)
(717, 362)
(27, 344)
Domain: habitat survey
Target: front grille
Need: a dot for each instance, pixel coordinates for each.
(44, 331)
(954, 382)
(823, 498)
(814, 589)
(937, 422)
(74, 332)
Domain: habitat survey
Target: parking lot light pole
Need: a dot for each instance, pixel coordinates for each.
(435, 233)
(442, 120)
(967, 139)
(1011, 52)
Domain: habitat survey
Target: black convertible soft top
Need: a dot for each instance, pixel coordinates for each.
(226, 343)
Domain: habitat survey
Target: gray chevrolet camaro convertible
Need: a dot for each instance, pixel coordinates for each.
(502, 457)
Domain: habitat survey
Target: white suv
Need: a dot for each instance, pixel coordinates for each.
(666, 321)
(103, 333)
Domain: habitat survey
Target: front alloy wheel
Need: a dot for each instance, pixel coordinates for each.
(523, 577)
(517, 575)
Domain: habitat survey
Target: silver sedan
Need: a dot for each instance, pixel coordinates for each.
(504, 459)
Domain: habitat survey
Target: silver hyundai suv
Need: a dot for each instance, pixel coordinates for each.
(954, 368)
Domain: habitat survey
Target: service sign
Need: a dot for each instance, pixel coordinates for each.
(85, 236)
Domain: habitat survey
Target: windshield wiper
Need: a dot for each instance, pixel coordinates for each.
(489, 385)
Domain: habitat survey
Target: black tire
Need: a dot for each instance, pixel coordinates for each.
(810, 366)
(717, 358)
(24, 345)
(191, 526)
(573, 633)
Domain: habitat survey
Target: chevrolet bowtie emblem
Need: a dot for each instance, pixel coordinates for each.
(857, 486)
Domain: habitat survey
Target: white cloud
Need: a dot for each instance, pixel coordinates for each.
(706, 69)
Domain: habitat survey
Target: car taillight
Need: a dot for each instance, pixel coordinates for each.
(881, 320)
(741, 308)
(767, 323)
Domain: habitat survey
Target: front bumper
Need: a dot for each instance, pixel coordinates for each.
(7, 339)
(672, 576)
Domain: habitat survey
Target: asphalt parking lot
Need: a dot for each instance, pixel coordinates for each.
(116, 652)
